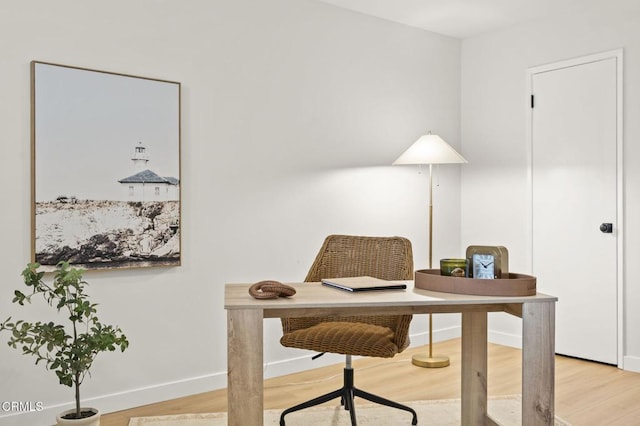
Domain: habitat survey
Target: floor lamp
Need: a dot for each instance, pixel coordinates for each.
(430, 149)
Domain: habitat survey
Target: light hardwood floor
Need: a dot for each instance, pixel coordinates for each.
(587, 393)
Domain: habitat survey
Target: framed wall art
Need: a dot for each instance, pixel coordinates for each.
(105, 168)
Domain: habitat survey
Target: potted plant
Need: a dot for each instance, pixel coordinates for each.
(68, 350)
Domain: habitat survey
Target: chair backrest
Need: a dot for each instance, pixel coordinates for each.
(387, 258)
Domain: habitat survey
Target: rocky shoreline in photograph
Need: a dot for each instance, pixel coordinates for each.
(106, 234)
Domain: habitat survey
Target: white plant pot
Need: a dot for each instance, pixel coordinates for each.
(87, 421)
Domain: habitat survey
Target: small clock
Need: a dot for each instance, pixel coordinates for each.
(488, 262)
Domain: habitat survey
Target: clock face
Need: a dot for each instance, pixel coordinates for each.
(483, 266)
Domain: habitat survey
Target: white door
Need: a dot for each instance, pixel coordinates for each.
(574, 147)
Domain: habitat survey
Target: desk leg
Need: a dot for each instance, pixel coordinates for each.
(538, 363)
(245, 402)
(474, 368)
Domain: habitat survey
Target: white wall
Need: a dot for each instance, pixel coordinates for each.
(494, 112)
(292, 114)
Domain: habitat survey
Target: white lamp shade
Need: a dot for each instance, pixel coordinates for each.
(430, 149)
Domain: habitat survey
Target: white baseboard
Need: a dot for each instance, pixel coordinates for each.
(165, 391)
(171, 390)
(300, 363)
(631, 363)
(421, 339)
(122, 400)
(505, 339)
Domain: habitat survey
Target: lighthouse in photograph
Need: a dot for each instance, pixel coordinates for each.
(145, 184)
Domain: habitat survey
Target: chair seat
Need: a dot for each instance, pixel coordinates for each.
(349, 338)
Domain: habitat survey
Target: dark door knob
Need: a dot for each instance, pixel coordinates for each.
(606, 228)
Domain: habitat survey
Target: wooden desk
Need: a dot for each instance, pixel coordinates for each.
(245, 342)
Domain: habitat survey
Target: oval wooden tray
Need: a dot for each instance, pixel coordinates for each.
(515, 285)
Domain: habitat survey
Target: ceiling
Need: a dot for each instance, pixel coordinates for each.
(462, 18)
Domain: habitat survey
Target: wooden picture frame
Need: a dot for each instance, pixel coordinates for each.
(105, 161)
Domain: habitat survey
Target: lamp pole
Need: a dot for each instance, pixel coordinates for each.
(421, 360)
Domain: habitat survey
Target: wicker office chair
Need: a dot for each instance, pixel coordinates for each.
(388, 258)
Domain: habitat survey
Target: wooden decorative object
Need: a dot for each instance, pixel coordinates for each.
(515, 285)
(270, 289)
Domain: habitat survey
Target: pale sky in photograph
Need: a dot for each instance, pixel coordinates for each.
(87, 125)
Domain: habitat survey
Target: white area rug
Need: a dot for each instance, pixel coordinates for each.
(505, 410)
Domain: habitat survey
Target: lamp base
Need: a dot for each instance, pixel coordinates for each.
(424, 360)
